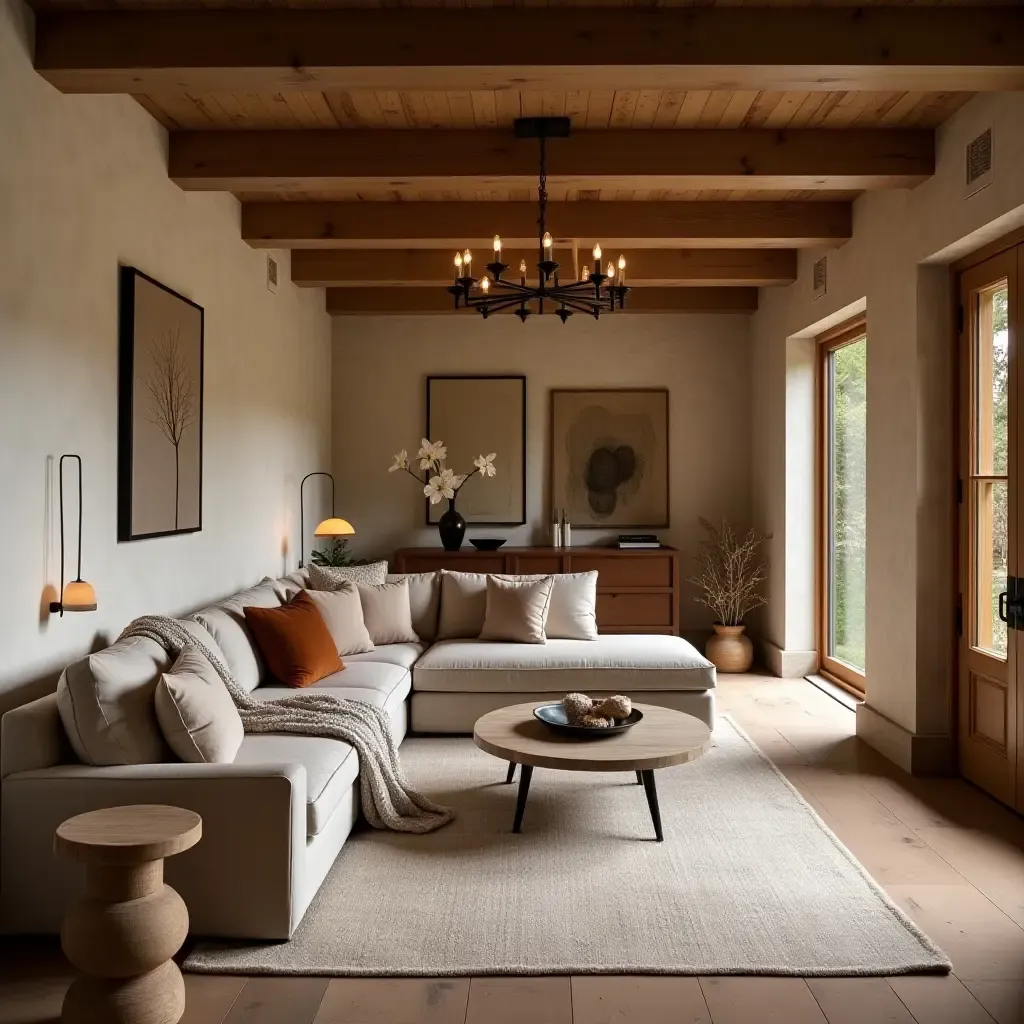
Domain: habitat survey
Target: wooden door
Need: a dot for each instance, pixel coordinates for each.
(991, 563)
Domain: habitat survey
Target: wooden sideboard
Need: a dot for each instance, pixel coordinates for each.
(637, 590)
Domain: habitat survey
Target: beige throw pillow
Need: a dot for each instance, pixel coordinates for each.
(516, 610)
(463, 604)
(387, 613)
(197, 716)
(424, 601)
(342, 611)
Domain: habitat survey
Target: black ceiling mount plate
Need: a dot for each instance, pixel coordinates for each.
(541, 127)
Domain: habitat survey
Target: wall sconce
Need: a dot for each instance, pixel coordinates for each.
(78, 595)
(333, 527)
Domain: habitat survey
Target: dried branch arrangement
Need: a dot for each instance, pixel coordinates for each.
(728, 574)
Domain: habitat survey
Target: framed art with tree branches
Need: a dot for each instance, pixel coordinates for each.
(160, 410)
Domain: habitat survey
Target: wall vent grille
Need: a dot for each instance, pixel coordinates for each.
(271, 273)
(819, 278)
(978, 162)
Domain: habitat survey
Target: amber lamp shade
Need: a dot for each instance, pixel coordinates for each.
(330, 527)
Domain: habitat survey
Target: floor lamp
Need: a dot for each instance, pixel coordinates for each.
(332, 527)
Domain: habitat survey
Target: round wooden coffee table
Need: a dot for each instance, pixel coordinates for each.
(124, 931)
(664, 738)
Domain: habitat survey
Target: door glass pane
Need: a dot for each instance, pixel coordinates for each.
(847, 460)
(991, 377)
(990, 546)
(990, 454)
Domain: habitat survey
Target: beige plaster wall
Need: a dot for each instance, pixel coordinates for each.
(84, 187)
(380, 365)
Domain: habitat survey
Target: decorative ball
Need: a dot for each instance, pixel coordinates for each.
(577, 707)
(614, 707)
(596, 722)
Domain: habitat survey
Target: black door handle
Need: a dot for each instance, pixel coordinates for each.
(1002, 607)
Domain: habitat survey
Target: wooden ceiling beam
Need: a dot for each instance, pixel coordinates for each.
(305, 160)
(393, 301)
(196, 51)
(402, 268)
(630, 225)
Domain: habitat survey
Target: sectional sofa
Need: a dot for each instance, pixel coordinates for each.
(274, 820)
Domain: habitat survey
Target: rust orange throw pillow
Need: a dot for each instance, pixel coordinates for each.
(294, 641)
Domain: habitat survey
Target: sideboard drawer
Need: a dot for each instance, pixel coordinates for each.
(633, 609)
(533, 565)
(644, 571)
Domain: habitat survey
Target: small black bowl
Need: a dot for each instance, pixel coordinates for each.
(555, 717)
(487, 543)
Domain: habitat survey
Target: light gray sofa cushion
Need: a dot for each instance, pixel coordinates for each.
(424, 601)
(106, 704)
(612, 663)
(342, 611)
(332, 766)
(226, 622)
(403, 655)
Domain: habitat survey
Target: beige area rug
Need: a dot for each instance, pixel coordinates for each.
(748, 881)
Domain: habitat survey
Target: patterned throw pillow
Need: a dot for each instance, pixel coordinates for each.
(330, 577)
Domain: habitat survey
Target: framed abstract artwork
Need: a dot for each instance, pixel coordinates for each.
(160, 410)
(609, 457)
(476, 416)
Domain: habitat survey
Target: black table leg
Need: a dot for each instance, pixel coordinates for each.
(511, 772)
(525, 774)
(639, 778)
(652, 801)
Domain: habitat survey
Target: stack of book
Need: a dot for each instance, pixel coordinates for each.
(638, 540)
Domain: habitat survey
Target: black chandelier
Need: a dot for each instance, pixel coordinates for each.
(596, 292)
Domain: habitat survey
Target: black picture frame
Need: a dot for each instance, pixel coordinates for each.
(128, 279)
(521, 378)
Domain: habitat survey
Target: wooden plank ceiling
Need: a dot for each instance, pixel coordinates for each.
(787, 181)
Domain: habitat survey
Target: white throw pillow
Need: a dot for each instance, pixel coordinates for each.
(517, 610)
(573, 611)
(463, 604)
(424, 601)
(197, 716)
(342, 610)
(330, 577)
(387, 613)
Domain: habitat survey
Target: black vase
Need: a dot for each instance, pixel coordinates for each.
(452, 528)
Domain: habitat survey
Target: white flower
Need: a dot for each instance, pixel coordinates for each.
(441, 486)
(431, 453)
(485, 464)
(401, 461)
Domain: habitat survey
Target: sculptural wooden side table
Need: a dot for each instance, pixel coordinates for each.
(125, 929)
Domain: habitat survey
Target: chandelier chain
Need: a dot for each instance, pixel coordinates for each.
(542, 192)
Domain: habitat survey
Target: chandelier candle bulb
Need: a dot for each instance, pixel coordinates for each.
(547, 241)
(497, 245)
(622, 270)
(467, 259)
(611, 273)
(485, 285)
(597, 253)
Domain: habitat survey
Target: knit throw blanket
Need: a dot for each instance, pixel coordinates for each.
(387, 798)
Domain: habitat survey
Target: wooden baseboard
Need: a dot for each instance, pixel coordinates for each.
(917, 753)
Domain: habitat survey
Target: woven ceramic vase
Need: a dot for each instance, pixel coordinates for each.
(729, 650)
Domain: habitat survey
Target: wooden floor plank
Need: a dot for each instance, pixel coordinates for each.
(1004, 1000)
(983, 943)
(519, 1000)
(760, 1001)
(394, 1001)
(858, 1000)
(276, 1000)
(209, 997)
(939, 1000)
(622, 1000)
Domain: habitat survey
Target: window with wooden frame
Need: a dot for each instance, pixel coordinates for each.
(842, 502)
